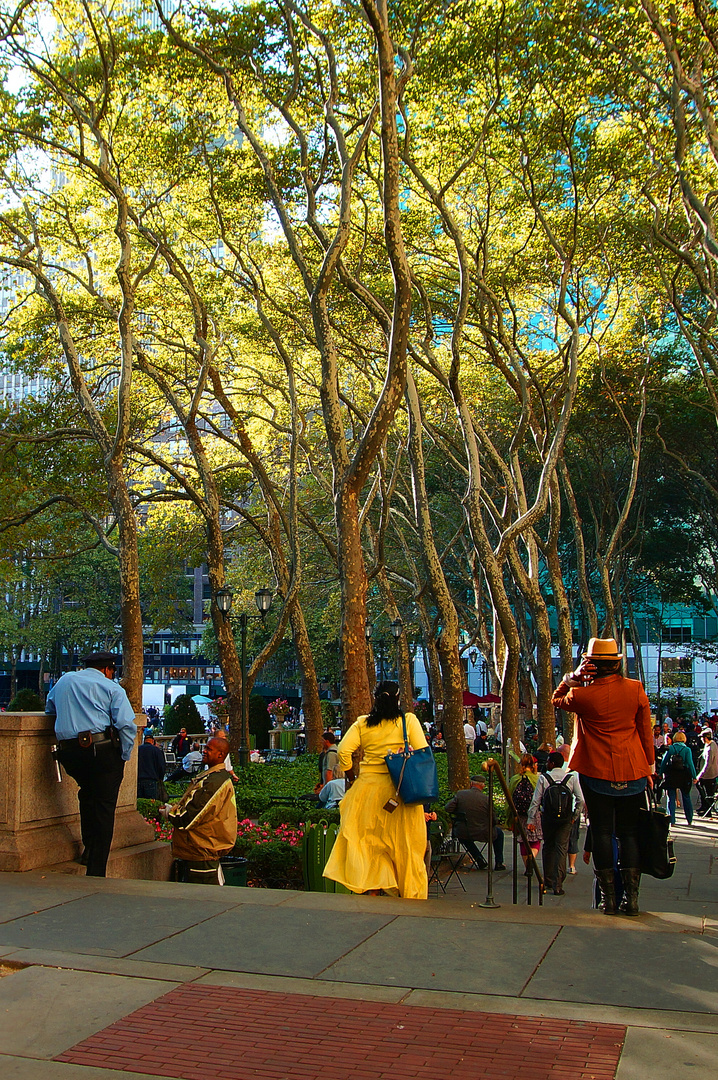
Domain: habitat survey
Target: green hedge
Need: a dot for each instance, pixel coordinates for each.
(296, 815)
(260, 783)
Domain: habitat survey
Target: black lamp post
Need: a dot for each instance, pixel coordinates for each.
(396, 628)
(263, 600)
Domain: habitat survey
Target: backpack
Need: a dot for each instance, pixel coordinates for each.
(675, 770)
(523, 794)
(557, 802)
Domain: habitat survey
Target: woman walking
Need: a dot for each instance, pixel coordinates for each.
(377, 848)
(614, 757)
(522, 786)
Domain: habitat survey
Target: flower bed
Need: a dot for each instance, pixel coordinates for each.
(274, 858)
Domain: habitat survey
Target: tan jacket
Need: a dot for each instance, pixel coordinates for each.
(205, 818)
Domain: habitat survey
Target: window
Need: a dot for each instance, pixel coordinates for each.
(676, 635)
(677, 671)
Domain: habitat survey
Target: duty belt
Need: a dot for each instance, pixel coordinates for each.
(84, 739)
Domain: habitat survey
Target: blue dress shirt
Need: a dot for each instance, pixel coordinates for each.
(88, 701)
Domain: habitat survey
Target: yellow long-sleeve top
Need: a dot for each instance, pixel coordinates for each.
(378, 741)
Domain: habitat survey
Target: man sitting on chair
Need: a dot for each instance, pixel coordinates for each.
(470, 808)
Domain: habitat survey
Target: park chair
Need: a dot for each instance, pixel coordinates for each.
(460, 817)
(443, 855)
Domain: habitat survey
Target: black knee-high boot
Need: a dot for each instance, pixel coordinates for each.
(607, 885)
(631, 878)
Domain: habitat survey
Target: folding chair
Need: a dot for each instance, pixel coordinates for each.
(482, 845)
(443, 854)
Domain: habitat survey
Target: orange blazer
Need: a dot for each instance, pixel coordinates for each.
(614, 731)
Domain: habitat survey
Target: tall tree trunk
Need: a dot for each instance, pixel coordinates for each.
(448, 642)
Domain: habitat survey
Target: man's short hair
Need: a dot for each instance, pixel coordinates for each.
(555, 760)
(100, 660)
(329, 736)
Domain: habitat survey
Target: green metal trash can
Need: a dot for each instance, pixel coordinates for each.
(317, 844)
(234, 868)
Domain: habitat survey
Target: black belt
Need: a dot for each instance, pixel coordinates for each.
(95, 737)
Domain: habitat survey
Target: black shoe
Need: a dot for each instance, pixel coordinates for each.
(559, 892)
(500, 866)
(483, 865)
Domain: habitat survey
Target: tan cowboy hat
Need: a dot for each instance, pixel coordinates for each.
(602, 649)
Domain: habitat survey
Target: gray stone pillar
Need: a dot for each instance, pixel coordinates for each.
(39, 817)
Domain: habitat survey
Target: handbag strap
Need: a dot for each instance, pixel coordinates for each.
(406, 754)
(406, 737)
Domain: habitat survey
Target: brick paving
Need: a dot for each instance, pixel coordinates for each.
(196, 1031)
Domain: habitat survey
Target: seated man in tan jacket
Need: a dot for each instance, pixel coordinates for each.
(205, 818)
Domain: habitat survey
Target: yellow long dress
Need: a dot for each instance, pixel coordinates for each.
(375, 849)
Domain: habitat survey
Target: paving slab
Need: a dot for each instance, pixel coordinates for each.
(43, 1011)
(649, 971)
(295, 943)
(447, 955)
(19, 1068)
(107, 924)
(666, 1055)
(567, 1010)
(27, 899)
(314, 987)
(110, 965)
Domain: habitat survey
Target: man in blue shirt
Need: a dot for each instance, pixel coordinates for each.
(95, 729)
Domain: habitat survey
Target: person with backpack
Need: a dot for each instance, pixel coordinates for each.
(522, 786)
(679, 773)
(559, 800)
(614, 756)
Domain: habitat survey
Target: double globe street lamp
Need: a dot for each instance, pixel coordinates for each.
(263, 599)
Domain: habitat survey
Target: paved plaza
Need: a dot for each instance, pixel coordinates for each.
(103, 976)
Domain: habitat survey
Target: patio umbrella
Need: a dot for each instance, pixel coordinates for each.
(469, 699)
(488, 699)
(200, 699)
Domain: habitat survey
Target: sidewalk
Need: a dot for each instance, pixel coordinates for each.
(105, 976)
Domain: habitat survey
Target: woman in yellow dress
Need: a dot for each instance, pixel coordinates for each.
(376, 849)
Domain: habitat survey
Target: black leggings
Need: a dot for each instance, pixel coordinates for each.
(609, 814)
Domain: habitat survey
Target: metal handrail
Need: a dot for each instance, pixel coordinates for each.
(492, 766)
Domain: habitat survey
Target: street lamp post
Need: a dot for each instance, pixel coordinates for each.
(263, 600)
(396, 630)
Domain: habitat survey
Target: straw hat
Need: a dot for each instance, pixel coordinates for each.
(602, 649)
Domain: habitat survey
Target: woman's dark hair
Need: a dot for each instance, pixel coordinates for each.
(386, 704)
(605, 667)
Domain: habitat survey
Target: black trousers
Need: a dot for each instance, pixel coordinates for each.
(706, 790)
(98, 771)
(609, 815)
(555, 849)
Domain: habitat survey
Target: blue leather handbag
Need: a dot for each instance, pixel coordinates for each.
(413, 772)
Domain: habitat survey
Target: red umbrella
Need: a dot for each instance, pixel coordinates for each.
(469, 700)
(488, 699)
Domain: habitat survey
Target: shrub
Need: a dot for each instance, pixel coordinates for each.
(274, 865)
(149, 808)
(26, 701)
(184, 713)
(329, 715)
(297, 815)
